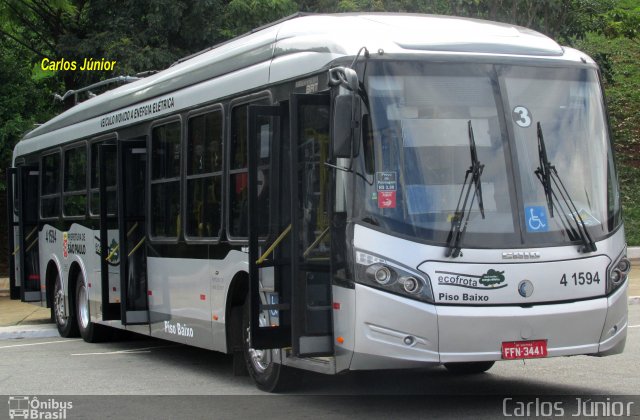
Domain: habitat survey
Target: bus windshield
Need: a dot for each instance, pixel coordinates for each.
(417, 134)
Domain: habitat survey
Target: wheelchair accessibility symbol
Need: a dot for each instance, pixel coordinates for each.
(536, 217)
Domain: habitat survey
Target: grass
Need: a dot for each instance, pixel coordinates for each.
(623, 100)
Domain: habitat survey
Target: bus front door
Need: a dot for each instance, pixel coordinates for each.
(25, 252)
(289, 229)
(311, 198)
(132, 166)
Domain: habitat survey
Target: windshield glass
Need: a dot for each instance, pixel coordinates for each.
(568, 106)
(416, 150)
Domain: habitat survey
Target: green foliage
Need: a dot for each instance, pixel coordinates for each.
(242, 16)
(623, 100)
(23, 101)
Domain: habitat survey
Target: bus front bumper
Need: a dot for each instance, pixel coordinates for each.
(394, 332)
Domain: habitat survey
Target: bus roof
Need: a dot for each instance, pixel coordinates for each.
(306, 43)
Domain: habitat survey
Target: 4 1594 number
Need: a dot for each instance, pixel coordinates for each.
(580, 279)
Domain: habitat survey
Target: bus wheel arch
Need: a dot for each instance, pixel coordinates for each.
(236, 295)
(74, 270)
(50, 280)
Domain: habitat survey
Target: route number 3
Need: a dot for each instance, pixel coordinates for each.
(522, 116)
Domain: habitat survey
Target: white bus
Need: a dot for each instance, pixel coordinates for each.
(333, 193)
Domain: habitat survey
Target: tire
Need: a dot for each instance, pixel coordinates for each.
(267, 375)
(469, 368)
(89, 331)
(67, 325)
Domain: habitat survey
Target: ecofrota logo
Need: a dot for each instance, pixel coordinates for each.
(22, 407)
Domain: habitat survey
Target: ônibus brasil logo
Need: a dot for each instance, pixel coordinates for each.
(23, 407)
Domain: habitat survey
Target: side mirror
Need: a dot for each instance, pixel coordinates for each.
(346, 109)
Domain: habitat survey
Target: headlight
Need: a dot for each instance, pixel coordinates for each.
(411, 285)
(392, 277)
(381, 274)
(618, 272)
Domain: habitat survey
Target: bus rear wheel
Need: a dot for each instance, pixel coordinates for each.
(469, 368)
(267, 375)
(89, 331)
(66, 322)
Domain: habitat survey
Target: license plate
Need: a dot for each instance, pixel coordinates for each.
(524, 349)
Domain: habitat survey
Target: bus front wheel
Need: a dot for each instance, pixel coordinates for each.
(268, 375)
(468, 368)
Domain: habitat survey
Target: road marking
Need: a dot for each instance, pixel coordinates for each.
(38, 344)
(634, 326)
(127, 351)
(112, 352)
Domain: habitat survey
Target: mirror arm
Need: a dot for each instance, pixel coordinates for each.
(344, 76)
(349, 170)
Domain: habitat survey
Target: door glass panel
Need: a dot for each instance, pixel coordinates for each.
(29, 235)
(132, 221)
(313, 178)
(265, 132)
(313, 234)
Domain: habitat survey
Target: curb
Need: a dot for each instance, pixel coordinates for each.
(633, 253)
(28, 331)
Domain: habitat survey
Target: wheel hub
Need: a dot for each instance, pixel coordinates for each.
(260, 359)
(83, 307)
(59, 306)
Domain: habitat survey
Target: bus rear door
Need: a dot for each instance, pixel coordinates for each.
(25, 276)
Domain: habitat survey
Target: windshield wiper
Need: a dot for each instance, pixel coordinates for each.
(554, 189)
(457, 230)
(543, 172)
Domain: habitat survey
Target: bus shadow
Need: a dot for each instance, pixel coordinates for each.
(436, 381)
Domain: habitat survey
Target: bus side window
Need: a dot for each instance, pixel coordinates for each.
(112, 168)
(75, 182)
(165, 181)
(50, 186)
(238, 173)
(203, 207)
